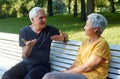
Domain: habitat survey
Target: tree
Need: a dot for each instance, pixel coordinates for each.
(83, 10)
(75, 9)
(69, 7)
(112, 5)
(49, 9)
(39, 2)
(90, 6)
(100, 4)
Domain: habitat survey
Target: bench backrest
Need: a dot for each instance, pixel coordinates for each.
(10, 52)
(62, 55)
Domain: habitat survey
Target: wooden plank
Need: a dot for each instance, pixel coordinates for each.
(114, 47)
(60, 64)
(63, 56)
(114, 65)
(7, 63)
(7, 42)
(9, 52)
(63, 51)
(113, 76)
(57, 68)
(63, 46)
(9, 36)
(115, 59)
(70, 42)
(115, 53)
(114, 71)
(62, 60)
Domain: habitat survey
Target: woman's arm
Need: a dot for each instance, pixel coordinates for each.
(92, 62)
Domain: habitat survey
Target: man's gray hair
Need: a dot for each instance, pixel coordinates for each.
(33, 12)
(97, 20)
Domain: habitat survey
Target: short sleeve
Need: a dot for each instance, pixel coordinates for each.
(102, 49)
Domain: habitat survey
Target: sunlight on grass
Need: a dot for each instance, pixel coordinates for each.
(112, 35)
(66, 23)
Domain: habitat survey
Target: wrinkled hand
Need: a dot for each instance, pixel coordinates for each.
(58, 37)
(30, 43)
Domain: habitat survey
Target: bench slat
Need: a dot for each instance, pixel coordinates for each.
(113, 70)
(62, 60)
(56, 68)
(63, 65)
(7, 63)
(115, 53)
(115, 60)
(63, 46)
(115, 65)
(9, 42)
(9, 36)
(63, 51)
(115, 47)
(113, 76)
(70, 42)
(10, 53)
(63, 56)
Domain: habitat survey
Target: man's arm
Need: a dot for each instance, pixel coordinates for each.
(92, 62)
(62, 37)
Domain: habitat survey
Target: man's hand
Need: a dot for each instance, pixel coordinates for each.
(30, 43)
(62, 37)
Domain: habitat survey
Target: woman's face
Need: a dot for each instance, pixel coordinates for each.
(88, 29)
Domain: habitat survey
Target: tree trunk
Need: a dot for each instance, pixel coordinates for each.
(83, 11)
(75, 8)
(50, 13)
(69, 8)
(35, 2)
(90, 6)
(112, 6)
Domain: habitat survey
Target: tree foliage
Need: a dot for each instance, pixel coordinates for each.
(19, 8)
(58, 7)
(14, 8)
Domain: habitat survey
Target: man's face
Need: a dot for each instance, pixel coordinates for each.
(40, 20)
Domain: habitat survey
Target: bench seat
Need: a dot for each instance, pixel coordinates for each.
(61, 57)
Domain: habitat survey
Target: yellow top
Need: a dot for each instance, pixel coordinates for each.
(100, 48)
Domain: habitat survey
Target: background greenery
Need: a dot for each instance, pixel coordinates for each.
(72, 26)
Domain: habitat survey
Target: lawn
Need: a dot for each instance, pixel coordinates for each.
(72, 26)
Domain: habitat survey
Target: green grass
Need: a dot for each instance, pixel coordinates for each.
(72, 26)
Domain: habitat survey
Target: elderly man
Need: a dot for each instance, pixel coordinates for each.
(35, 40)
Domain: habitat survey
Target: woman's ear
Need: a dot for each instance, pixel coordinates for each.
(96, 29)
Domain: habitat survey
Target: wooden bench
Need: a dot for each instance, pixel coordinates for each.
(62, 55)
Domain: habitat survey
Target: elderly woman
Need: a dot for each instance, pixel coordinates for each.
(93, 54)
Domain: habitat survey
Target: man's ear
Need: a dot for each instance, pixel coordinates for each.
(32, 19)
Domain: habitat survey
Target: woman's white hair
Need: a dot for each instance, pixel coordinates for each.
(97, 20)
(33, 12)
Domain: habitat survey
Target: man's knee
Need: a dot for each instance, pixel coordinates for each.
(5, 76)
